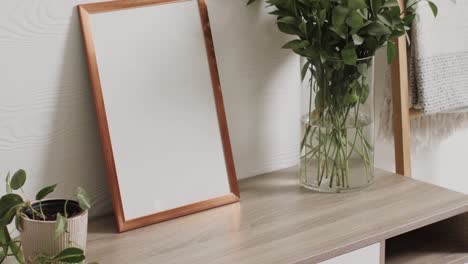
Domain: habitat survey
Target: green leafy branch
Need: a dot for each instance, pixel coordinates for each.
(344, 29)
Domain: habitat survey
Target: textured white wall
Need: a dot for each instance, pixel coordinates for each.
(47, 119)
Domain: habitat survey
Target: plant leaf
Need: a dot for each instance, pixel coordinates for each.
(339, 14)
(304, 70)
(18, 179)
(377, 29)
(288, 20)
(2, 255)
(250, 2)
(7, 182)
(349, 56)
(296, 44)
(354, 20)
(391, 52)
(15, 247)
(61, 225)
(83, 199)
(9, 201)
(70, 255)
(357, 4)
(45, 191)
(433, 7)
(384, 20)
(375, 5)
(350, 99)
(4, 239)
(7, 218)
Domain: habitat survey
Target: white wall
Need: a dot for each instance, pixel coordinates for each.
(47, 119)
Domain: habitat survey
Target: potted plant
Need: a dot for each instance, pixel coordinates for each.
(51, 231)
(337, 40)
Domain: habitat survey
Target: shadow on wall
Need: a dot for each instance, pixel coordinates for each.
(261, 86)
(74, 155)
(47, 120)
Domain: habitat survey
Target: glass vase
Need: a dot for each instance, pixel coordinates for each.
(337, 146)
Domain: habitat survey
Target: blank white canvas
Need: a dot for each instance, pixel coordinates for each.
(160, 107)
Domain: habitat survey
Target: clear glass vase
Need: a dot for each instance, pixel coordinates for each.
(337, 147)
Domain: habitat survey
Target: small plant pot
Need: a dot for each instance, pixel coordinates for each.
(38, 237)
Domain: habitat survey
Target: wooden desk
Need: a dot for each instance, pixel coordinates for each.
(279, 222)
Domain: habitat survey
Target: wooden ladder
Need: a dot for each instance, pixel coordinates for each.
(402, 112)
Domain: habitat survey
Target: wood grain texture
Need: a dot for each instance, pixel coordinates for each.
(400, 100)
(123, 224)
(445, 242)
(278, 222)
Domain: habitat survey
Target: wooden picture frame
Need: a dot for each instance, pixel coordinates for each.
(123, 224)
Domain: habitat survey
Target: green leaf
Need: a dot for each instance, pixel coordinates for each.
(384, 20)
(340, 31)
(322, 16)
(356, 4)
(375, 6)
(296, 44)
(309, 52)
(70, 255)
(303, 27)
(9, 201)
(4, 239)
(358, 40)
(304, 70)
(354, 20)
(45, 191)
(83, 199)
(433, 7)
(349, 56)
(350, 99)
(61, 225)
(339, 14)
(8, 185)
(288, 20)
(18, 179)
(279, 12)
(289, 29)
(377, 29)
(391, 52)
(8, 217)
(15, 247)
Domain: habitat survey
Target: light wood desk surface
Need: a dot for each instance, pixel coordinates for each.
(279, 222)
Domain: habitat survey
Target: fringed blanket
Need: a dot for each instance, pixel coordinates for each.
(438, 75)
(439, 58)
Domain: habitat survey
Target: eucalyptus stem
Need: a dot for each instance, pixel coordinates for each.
(42, 212)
